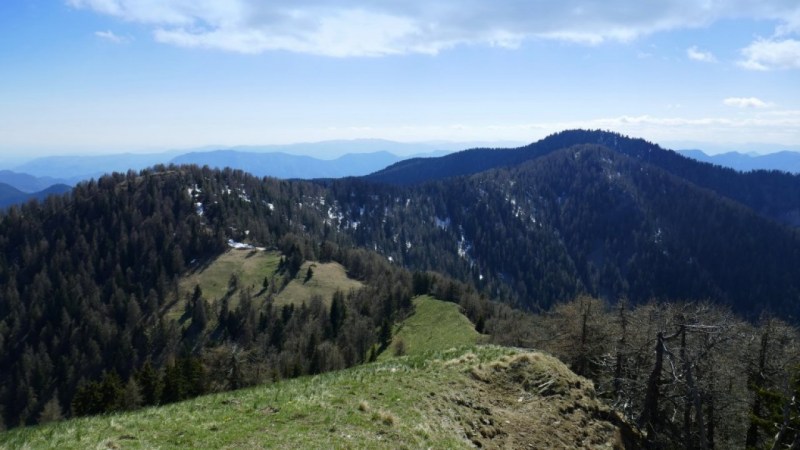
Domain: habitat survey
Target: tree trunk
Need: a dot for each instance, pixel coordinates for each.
(757, 383)
(649, 419)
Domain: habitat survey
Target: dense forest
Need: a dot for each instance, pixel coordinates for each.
(582, 219)
(87, 280)
(774, 194)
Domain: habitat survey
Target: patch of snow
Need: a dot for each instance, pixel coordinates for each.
(198, 207)
(408, 245)
(240, 245)
(442, 224)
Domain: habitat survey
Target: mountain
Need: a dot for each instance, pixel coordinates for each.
(98, 312)
(77, 168)
(28, 183)
(785, 161)
(583, 219)
(772, 194)
(287, 166)
(9, 195)
(351, 158)
(335, 148)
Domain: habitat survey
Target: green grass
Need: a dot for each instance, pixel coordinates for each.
(250, 266)
(435, 325)
(392, 404)
(327, 278)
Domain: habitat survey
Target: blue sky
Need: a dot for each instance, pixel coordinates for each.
(94, 76)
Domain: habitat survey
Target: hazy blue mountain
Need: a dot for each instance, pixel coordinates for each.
(9, 195)
(336, 148)
(76, 168)
(284, 165)
(27, 182)
(787, 161)
(331, 159)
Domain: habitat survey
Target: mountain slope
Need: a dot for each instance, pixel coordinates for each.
(785, 161)
(10, 195)
(585, 219)
(28, 183)
(486, 397)
(772, 194)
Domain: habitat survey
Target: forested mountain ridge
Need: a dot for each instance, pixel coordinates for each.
(87, 280)
(773, 194)
(583, 219)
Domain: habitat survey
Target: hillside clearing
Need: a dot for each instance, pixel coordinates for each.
(435, 325)
(249, 266)
(326, 279)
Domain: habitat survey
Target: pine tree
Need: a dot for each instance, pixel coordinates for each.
(150, 384)
(52, 410)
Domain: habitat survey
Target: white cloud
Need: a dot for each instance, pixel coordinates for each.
(746, 102)
(111, 37)
(767, 54)
(698, 55)
(370, 28)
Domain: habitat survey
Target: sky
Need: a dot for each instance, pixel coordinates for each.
(106, 76)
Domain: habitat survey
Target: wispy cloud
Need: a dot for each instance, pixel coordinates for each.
(110, 36)
(696, 54)
(369, 28)
(768, 54)
(746, 102)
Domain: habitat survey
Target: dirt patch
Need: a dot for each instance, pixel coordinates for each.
(534, 401)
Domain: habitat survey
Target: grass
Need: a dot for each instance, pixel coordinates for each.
(435, 325)
(466, 397)
(379, 405)
(250, 266)
(327, 278)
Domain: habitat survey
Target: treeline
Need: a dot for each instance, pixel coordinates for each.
(688, 375)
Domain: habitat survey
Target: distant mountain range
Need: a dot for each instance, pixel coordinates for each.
(382, 160)
(786, 161)
(286, 166)
(333, 159)
(9, 195)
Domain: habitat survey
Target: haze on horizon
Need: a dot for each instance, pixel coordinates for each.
(107, 76)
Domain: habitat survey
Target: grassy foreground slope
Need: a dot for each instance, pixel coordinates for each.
(459, 398)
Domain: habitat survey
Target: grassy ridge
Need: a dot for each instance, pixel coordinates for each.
(435, 325)
(380, 405)
(484, 396)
